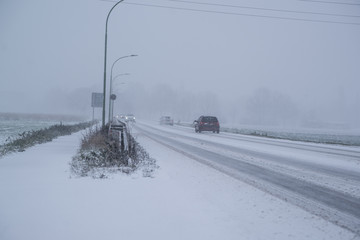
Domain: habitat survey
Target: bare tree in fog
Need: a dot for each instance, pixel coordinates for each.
(266, 107)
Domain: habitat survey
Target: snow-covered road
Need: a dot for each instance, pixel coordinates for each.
(322, 179)
(184, 199)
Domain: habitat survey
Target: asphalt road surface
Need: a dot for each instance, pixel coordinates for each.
(322, 179)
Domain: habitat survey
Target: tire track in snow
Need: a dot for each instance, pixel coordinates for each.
(337, 207)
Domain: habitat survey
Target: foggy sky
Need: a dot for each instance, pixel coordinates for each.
(245, 69)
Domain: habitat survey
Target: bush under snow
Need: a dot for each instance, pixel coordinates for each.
(99, 156)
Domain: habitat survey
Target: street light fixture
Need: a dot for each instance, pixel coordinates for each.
(119, 75)
(111, 74)
(104, 90)
(111, 103)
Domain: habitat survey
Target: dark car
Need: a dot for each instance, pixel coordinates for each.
(207, 123)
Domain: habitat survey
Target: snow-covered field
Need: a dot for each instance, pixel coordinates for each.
(12, 128)
(341, 136)
(184, 200)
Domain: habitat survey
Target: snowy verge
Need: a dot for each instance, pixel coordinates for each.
(31, 138)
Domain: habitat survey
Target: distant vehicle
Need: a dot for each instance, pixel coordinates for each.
(121, 117)
(207, 123)
(166, 120)
(130, 118)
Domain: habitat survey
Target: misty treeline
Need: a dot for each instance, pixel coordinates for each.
(262, 107)
(41, 117)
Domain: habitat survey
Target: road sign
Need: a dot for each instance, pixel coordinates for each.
(97, 100)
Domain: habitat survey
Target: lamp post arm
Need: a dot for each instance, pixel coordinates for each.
(119, 75)
(114, 64)
(104, 91)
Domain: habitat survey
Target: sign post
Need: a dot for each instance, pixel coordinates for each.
(96, 101)
(113, 98)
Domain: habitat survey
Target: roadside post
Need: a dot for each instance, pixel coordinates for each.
(96, 102)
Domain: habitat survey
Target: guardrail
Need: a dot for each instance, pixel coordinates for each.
(120, 133)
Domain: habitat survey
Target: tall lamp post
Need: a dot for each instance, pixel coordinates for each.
(112, 105)
(111, 83)
(111, 78)
(104, 91)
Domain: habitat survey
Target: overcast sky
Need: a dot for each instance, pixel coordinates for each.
(249, 62)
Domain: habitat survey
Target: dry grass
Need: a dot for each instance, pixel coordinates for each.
(100, 156)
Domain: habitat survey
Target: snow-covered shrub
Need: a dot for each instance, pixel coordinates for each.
(142, 160)
(99, 156)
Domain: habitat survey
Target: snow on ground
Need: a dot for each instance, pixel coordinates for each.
(184, 200)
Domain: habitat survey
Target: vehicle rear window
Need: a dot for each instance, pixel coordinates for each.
(209, 119)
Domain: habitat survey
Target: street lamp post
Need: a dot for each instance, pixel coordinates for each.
(112, 99)
(104, 90)
(112, 102)
(112, 67)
